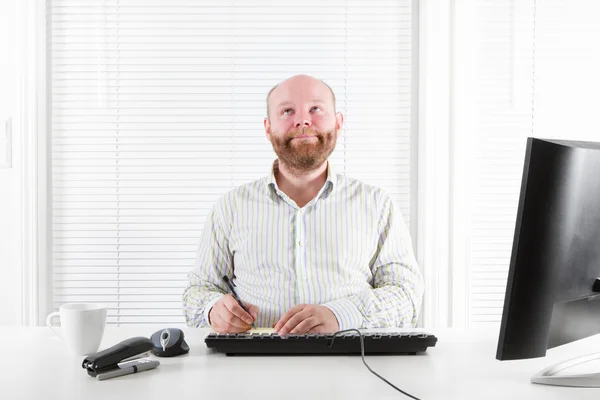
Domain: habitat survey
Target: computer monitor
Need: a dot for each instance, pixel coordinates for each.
(553, 288)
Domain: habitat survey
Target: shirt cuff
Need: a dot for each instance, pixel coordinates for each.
(209, 307)
(347, 313)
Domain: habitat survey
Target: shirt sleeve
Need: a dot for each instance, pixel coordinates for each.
(213, 261)
(395, 299)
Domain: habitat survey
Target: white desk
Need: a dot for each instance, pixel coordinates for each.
(461, 366)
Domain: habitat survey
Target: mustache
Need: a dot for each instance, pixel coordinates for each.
(303, 132)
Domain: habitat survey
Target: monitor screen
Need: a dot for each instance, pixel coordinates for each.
(553, 288)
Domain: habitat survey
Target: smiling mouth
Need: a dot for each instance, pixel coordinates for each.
(305, 137)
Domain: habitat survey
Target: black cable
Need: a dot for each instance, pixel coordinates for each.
(362, 353)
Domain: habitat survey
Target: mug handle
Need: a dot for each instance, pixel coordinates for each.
(49, 322)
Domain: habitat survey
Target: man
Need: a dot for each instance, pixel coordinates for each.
(309, 250)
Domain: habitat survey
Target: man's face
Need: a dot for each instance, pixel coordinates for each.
(302, 124)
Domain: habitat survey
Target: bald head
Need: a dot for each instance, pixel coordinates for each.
(286, 89)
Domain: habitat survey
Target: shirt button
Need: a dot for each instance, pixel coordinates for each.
(301, 243)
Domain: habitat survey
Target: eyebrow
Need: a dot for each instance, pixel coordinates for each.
(284, 103)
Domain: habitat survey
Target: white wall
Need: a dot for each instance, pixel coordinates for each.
(10, 179)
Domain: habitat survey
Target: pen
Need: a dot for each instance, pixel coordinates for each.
(236, 297)
(136, 366)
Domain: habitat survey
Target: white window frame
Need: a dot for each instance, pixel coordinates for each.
(35, 251)
(433, 168)
(441, 229)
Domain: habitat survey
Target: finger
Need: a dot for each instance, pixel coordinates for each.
(231, 319)
(289, 314)
(306, 325)
(318, 329)
(294, 321)
(234, 308)
(222, 326)
(253, 310)
(234, 321)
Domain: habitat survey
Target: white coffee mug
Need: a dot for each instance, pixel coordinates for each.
(82, 326)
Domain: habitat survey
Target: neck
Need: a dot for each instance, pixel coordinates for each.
(300, 186)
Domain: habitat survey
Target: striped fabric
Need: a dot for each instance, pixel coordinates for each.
(348, 249)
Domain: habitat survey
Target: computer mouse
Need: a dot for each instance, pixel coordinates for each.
(169, 342)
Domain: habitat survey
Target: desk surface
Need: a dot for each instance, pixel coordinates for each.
(461, 366)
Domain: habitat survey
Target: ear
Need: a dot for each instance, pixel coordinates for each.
(267, 124)
(339, 121)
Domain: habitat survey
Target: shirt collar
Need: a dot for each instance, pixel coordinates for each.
(272, 182)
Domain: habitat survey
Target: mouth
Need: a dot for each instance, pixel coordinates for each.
(304, 137)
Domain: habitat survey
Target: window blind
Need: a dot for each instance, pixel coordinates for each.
(530, 82)
(157, 110)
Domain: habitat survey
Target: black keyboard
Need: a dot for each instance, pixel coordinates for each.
(346, 343)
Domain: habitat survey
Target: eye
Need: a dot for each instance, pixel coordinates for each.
(286, 111)
(317, 107)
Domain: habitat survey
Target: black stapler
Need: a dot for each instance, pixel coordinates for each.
(110, 358)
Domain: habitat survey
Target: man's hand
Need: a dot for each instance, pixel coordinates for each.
(305, 318)
(226, 315)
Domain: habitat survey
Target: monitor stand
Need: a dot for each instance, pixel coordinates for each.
(548, 377)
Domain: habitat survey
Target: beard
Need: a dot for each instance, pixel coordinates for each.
(304, 155)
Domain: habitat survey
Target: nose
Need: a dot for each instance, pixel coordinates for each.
(303, 121)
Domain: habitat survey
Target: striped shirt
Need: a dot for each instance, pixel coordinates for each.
(347, 249)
